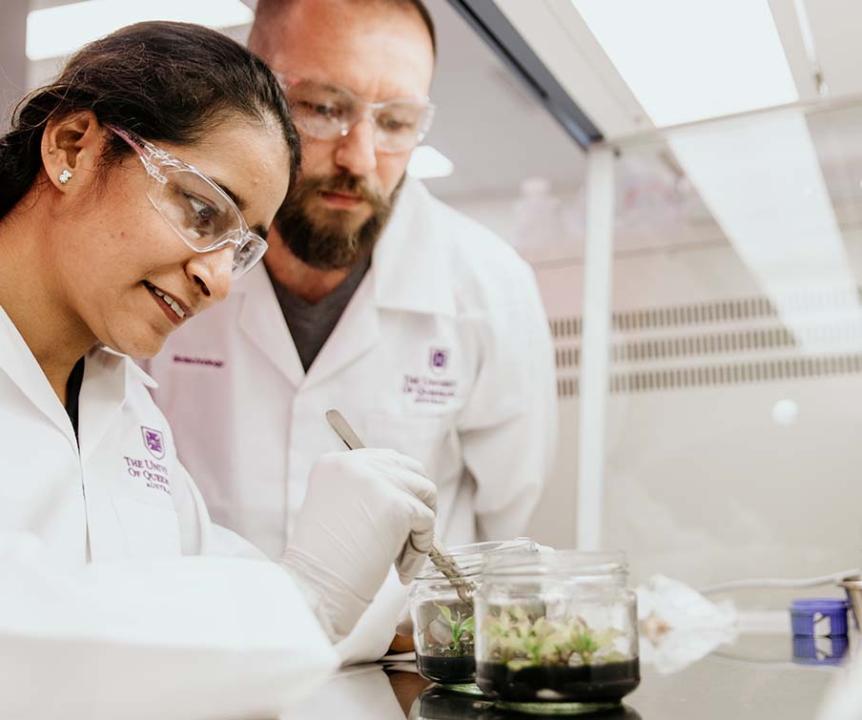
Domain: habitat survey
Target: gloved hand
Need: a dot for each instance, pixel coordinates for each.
(364, 509)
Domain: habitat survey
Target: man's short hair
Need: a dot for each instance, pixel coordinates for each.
(268, 9)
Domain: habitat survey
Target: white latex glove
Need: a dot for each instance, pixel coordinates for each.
(364, 509)
(370, 639)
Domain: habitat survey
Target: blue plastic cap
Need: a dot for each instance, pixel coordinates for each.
(819, 617)
(821, 605)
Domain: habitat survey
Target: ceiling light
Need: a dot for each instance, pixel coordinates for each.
(59, 31)
(428, 162)
(688, 61)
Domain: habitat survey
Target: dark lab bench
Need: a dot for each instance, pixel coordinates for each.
(756, 678)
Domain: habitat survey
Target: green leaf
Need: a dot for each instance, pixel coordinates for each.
(446, 613)
(605, 638)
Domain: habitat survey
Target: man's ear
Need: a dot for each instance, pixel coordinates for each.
(71, 148)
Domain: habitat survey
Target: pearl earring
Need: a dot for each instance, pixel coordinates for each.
(65, 176)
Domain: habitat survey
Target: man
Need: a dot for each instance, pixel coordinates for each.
(421, 327)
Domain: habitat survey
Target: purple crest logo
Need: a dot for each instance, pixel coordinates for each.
(154, 441)
(438, 359)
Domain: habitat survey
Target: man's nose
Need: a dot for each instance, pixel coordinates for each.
(355, 152)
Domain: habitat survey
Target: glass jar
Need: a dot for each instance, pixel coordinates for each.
(556, 626)
(443, 623)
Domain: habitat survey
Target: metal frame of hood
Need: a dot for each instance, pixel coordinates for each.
(498, 33)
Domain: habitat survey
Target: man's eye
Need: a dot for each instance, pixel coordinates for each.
(323, 110)
(392, 124)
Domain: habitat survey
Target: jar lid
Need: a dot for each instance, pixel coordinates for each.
(819, 617)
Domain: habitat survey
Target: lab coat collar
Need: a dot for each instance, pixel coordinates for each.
(260, 318)
(107, 377)
(411, 270)
(357, 331)
(19, 363)
(134, 372)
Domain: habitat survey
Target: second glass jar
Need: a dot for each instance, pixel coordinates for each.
(556, 627)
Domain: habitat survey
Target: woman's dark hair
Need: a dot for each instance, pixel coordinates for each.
(162, 80)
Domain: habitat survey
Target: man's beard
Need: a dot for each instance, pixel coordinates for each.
(331, 242)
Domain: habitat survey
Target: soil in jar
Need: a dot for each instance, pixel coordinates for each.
(596, 683)
(448, 669)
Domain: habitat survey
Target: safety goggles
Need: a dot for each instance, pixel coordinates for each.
(327, 112)
(197, 209)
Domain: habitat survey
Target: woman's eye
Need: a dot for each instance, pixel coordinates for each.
(204, 214)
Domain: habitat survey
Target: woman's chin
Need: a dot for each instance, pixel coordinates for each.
(137, 348)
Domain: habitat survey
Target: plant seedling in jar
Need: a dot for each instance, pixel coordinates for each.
(444, 652)
(461, 630)
(529, 658)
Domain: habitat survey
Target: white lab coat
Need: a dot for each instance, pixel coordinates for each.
(95, 512)
(122, 493)
(443, 353)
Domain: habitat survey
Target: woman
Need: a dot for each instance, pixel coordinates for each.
(132, 191)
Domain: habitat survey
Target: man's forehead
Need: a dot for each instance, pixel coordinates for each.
(376, 50)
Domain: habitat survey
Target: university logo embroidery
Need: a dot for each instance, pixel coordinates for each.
(154, 441)
(438, 360)
(436, 387)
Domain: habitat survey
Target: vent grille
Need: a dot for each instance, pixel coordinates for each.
(738, 310)
(686, 346)
(698, 314)
(566, 327)
(735, 374)
(772, 339)
(567, 387)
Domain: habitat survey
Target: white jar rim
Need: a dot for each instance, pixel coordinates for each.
(556, 563)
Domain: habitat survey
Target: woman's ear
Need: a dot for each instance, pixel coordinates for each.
(71, 148)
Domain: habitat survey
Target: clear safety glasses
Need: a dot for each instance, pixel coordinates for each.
(326, 112)
(197, 209)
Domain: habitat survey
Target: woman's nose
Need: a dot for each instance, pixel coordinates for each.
(211, 272)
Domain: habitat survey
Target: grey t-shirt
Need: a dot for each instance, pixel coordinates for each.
(311, 324)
